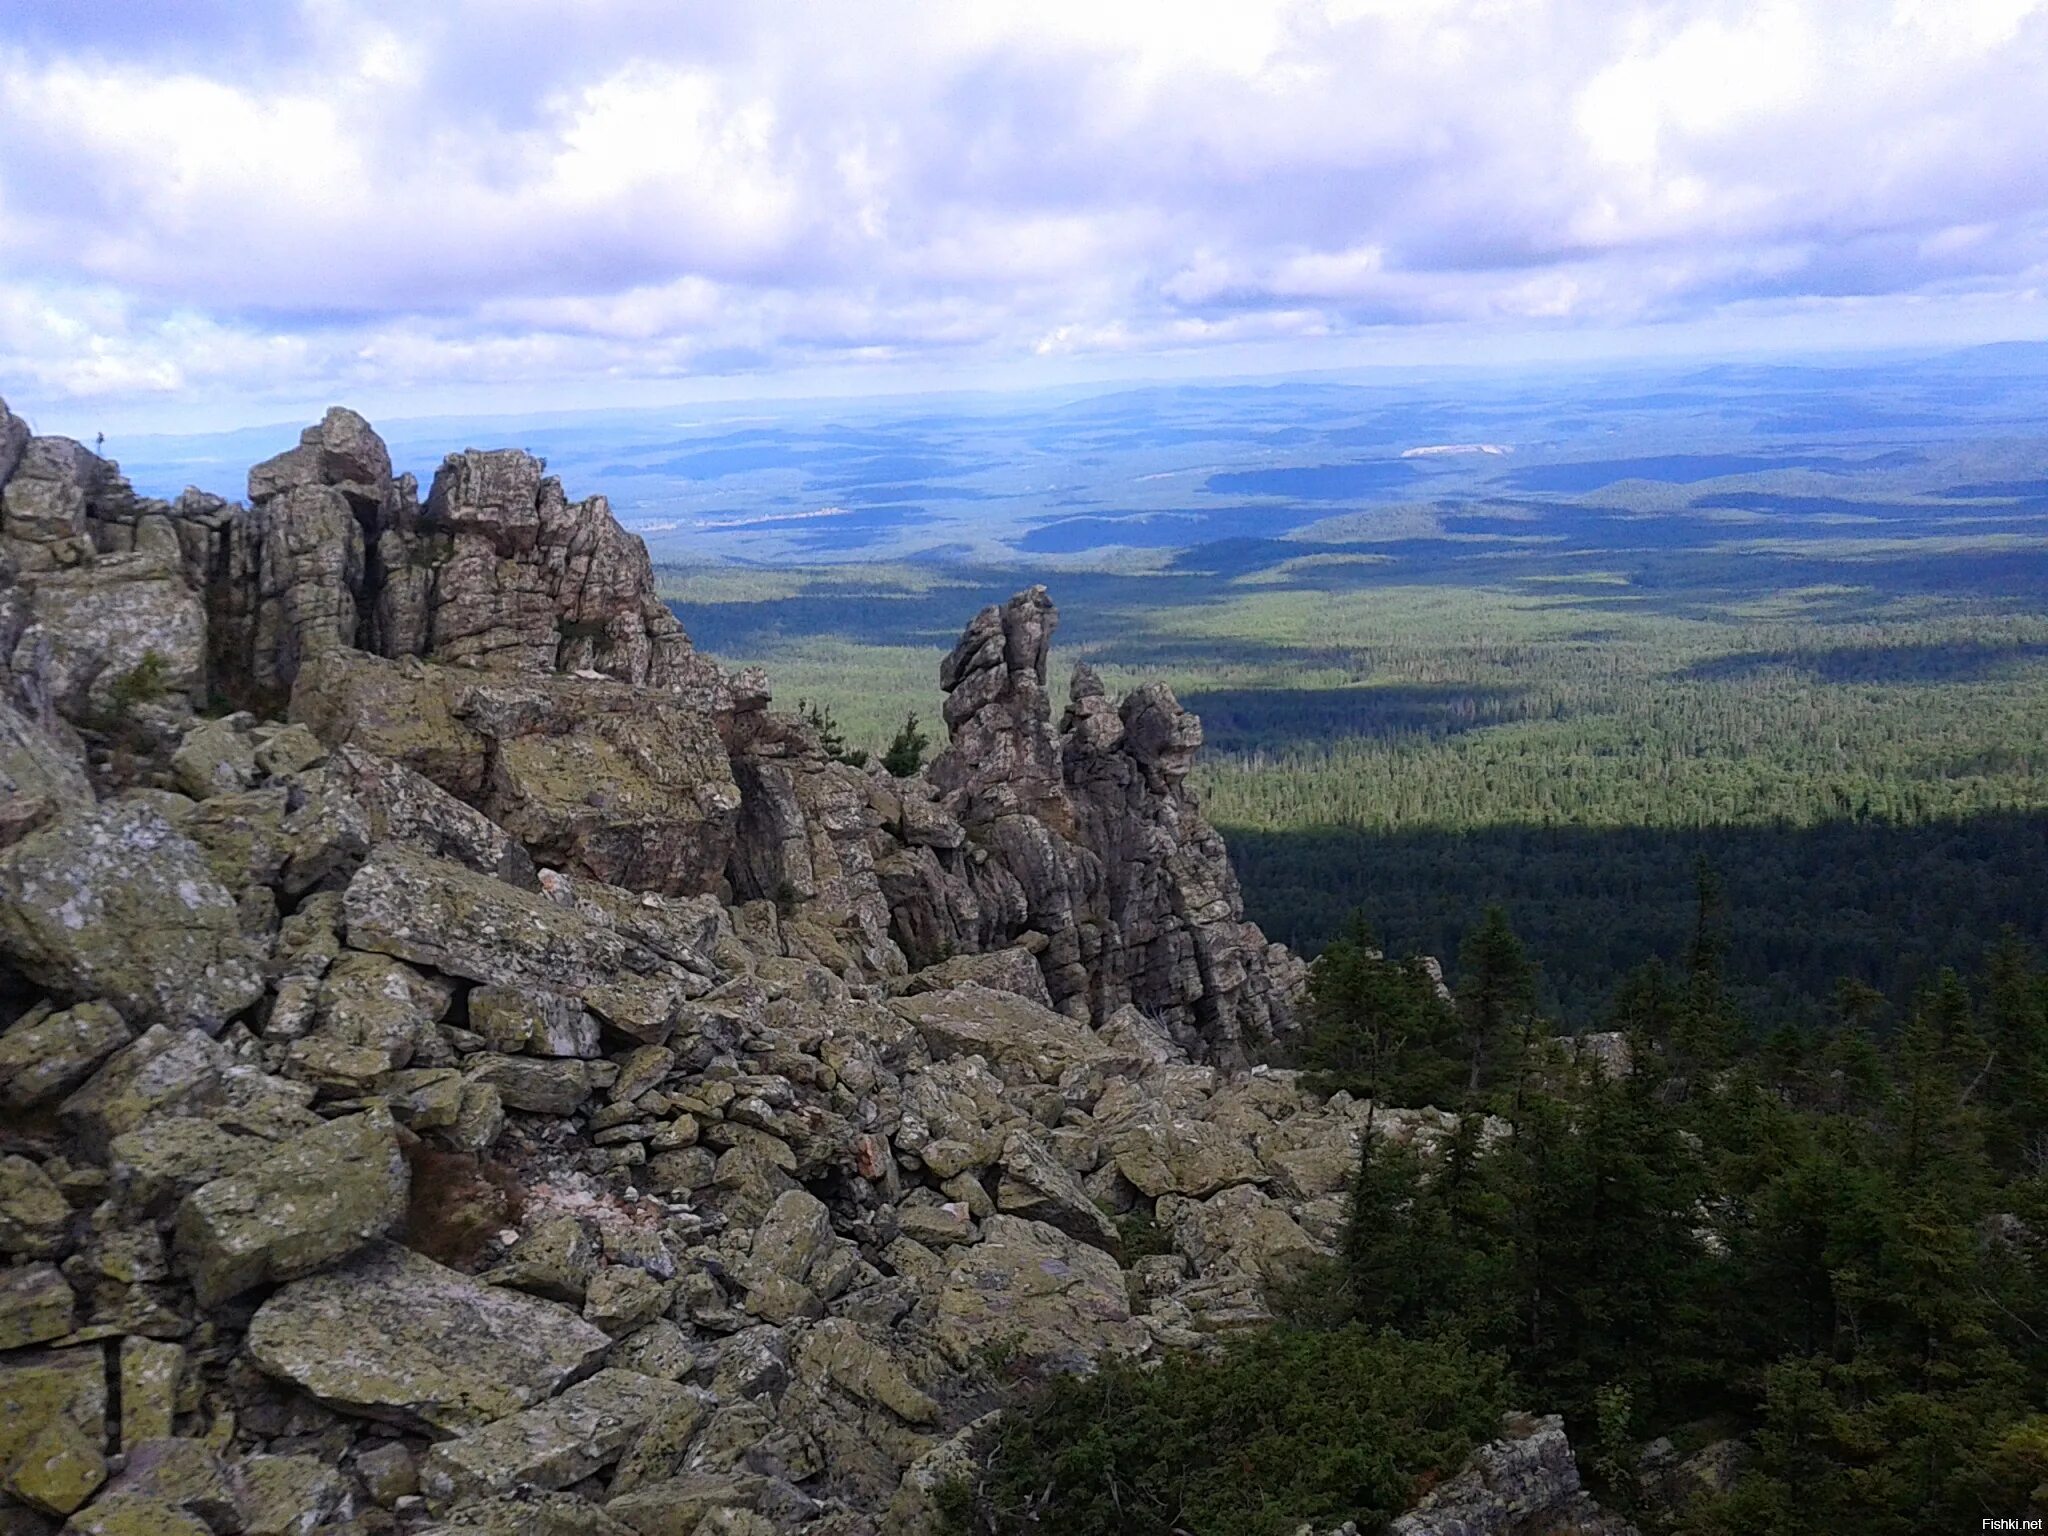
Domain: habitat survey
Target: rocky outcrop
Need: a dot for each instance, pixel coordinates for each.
(534, 1086)
(1526, 1483)
(1086, 842)
(626, 785)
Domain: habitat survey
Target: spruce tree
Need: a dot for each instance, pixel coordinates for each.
(1496, 998)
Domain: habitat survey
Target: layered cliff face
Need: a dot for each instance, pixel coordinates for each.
(469, 1065)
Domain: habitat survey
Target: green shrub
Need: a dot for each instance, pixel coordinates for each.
(1282, 1427)
(1141, 1234)
(144, 683)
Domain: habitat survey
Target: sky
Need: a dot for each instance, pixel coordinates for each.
(220, 212)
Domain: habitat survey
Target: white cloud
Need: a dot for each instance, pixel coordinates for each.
(308, 197)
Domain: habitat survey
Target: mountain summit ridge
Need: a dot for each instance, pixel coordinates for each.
(472, 1065)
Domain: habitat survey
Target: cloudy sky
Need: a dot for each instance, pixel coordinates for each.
(221, 211)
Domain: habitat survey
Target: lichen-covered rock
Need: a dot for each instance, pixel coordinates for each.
(58, 1470)
(117, 904)
(679, 1505)
(916, 1509)
(33, 1212)
(41, 777)
(36, 1305)
(150, 1372)
(556, 1258)
(1178, 1156)
(625, 785)
(52, 1403)
(129, 1514)
(183, 1474)
(308, 1202)
(1038, 1187)
(1087, 841)
(1024, 1042)
(1006, 970)
(215, 757)
(162, 1072)
(49, 484)
(401, 806)
(373, 1000)
(557, 1443)
(1241, 1230)
(1054, 1303)
(534, 1085)
(113, 636)
(531, 1514)
(397, 711)
(526, 1019)
(390, 1334)
(49, 1052)
(535, 582)
(449, 918)
(840, 1351)
(290, 1496)
(14, 436)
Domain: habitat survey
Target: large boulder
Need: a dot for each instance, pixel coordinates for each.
(1241, 1231)
(392, 1335)
(1038, 1187)
(341, 451)
(626, 785)
(109, 637)
(53, 1412)
(451, 919)
(309, 575)
(401, 711)
(164, 1074)
(116, 904)
(1526, 1483)
(1051, 1302)
(1024, 1041)
(49, 485)
(14, 436)
(559, 1442)
(401, 806)
(50, 1052)
(1168, 1155)
(308, 1202)
(536, 583)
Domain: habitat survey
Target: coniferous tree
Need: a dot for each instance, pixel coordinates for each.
(905, 754)
(1496, 997)
(1374, 1026)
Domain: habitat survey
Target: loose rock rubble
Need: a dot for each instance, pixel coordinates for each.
(470, 1066)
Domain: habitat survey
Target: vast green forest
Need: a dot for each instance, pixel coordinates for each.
(1816, 1254)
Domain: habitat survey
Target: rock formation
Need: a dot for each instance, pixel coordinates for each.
(469, 1065)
